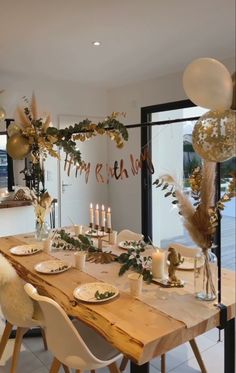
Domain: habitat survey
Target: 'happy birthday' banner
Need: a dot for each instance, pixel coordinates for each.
(104, 172)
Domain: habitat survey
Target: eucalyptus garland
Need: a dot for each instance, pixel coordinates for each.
(65, 241)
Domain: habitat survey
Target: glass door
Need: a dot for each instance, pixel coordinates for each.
(173, 154)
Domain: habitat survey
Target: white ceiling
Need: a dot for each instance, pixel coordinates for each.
(141, 39)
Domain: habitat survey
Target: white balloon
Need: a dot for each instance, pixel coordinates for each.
(208, 83)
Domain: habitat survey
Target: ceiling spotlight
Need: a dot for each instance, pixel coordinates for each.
(96, 43)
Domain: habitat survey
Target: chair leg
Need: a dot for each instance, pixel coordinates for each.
(198, 355)
(5, 337)
(66, 369)
(113, 368)
(19, 335)
(163, 363)
(44, 339)
(55, 366)
(92, 371)
(124, 363)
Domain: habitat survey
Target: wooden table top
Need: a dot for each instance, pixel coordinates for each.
(136, 329)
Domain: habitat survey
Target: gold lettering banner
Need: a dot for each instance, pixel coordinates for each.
(105, 172)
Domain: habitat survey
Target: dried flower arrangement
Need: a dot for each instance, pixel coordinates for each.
(202, 217)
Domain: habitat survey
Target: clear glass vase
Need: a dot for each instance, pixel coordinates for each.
(205, 276)
(42, 230)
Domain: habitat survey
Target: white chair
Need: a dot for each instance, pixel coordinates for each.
(83, 349)
(127, 235)
(17, 308)
(187, 251)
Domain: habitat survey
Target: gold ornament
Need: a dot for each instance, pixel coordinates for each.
(233, 106)
(214, 136)
(18, 147)
(2, 113)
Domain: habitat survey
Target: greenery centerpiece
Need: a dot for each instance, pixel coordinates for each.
(65, 241)
(135, 260)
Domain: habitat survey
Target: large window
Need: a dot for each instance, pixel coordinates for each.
(173, 153)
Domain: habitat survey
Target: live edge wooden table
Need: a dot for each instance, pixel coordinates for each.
(139, 331)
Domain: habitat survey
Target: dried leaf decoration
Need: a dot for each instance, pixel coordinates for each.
(102, 257)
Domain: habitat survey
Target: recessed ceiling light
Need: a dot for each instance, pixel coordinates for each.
(96, 43)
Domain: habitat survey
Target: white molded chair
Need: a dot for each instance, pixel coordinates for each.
(17, 308)
(187, 251)
(127, 235)
(84, 349)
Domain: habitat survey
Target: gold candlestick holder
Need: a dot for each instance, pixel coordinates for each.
(109, 231)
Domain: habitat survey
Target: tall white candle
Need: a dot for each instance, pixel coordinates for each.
(158, 264)
(109, 218)
(103, 217)
(91, 215)
(97, 215)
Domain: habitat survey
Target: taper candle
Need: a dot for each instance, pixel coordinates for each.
(103, 217)
(109, 218)
(91, 214)
(97, 215)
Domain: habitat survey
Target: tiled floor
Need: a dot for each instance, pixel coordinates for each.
(33, 358)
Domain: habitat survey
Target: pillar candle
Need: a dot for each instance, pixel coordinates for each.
(158, 264)
(91, 215)
(109, 218)
(103, 217)
(97, 215)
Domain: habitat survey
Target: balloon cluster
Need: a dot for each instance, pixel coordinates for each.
(208, 84)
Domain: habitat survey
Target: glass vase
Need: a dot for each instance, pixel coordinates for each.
(42, 231)
(205, 275)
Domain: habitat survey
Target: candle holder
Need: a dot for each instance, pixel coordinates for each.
(91, 225)
(166, 283)
(109, 231)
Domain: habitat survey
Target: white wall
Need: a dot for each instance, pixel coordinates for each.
(58, 98)
(68, 98)
(125, 197)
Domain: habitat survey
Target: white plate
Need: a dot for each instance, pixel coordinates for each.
(188, 264)
(52, 267)
(95, 234)
(86, 292)
(25, 250)
(127, 244)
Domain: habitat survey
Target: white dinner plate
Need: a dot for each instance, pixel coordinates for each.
(188, 264)
(52, 267)
(86, 292)
(128, 244)
(25, 250)
(95, 233)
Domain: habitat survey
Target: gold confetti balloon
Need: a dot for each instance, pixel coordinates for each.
(18, 147)
(214, 136)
